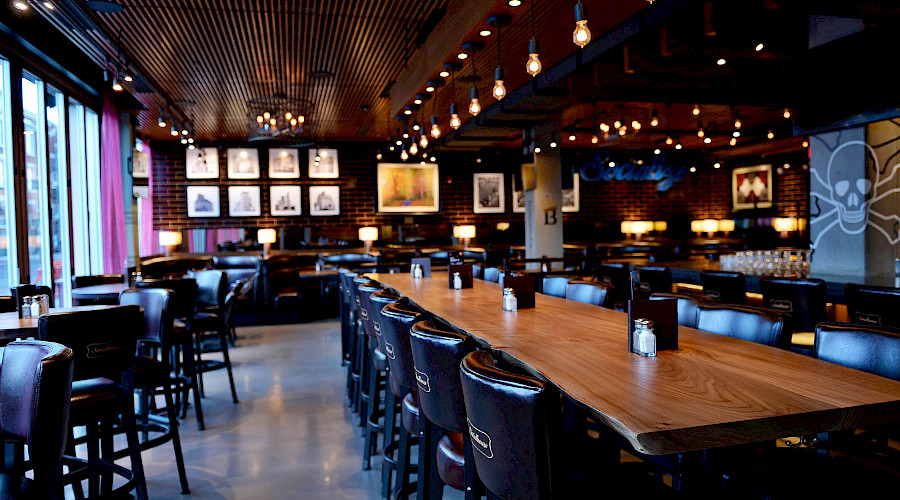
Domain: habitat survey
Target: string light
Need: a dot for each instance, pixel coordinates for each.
(582, 35)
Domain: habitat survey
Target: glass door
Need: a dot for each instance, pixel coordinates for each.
(36, 192)
(9, 272)
(60, 254)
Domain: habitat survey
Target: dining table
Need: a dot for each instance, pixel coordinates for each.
(13, 327)
(108, 292)
(712, 391)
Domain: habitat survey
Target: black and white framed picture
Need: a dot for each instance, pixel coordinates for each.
(324, 200)
(570, 196)
(323, 163)
(140, 165)
(488, 193)
(243, 201)
(285, 200)
(284, 163)
(202, 163)
(243, 163)
(203, 201)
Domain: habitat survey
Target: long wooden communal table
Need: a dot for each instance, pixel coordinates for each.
(713, 391)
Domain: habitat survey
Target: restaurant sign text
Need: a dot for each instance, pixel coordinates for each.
(666, 174)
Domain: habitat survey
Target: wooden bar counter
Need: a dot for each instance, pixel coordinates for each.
(713, 391)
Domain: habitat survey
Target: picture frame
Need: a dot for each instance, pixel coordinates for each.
(324, 200)
(407, 188)
(201, 163)
(751, 187)
(244, 201)
(489, 196)
(571, 198)
(243, 163)
(284, 163)
(203, 201)
(518, 201)
(285, 200)
(140, 165)
(326, 167)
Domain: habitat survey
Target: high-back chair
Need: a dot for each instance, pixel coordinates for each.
(617, 275)
(491, 274)
(104, 344)
(804, 300)
(873, 305)
(724, 287)
(589, 292)
(348, 315)
(445, 455)
(209, 328)
(378, 378)
(370, 374)
(35, 394)
(687, 305)
(868, 348)
(653, 279)
(555, 285)
(756, 324)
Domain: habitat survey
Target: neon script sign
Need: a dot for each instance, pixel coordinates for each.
(598, 169)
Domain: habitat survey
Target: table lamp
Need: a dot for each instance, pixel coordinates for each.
(169, 240)
(265, 236)
(368, 235)
(726, 226)
(785, 225)
(465, 233)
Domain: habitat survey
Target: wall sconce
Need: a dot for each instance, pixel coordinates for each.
(368, 235)
(464, 233)
(266, 237)
(170, 240)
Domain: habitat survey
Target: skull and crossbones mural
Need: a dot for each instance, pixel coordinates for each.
(850, 203)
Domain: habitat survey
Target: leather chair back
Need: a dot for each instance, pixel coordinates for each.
(347, 287)
(555, 285)
(183, 303)
(724, 287)
(491, 274)
(437, 353)
(174, 266)
(7, 303)
(617, 275)
(238, 267)
(687, 306)
(510, 422)
(867, 348)
(377, 301)
(873, 305)
(756, 324)
(477, 271)
(803, 299)
(589, 292)
(103, 341)
(365, 305)
(35, 392)
(347, 259)
(158, 318)
(396, 320)
(97, 279)
(653, 279)
(212, 287)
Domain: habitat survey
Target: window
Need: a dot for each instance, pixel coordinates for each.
(8, 267)
(84, 146)
(36, 192)
(59, 196)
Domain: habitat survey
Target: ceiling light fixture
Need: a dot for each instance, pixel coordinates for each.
(533, 66)
(413, 148)
(787, 114)
(474, 104)
(403, 154)
(721, 61)
(49, 6)
(737, 119)
(770, 135)
(485, 32)
(571, 137)
(582, 35)
(499, 90)
(654, 117)
(276, 116)
(594, 139)
(514, 3)
(759, 47)
(669, 140)
(696, 110)
(20, 5)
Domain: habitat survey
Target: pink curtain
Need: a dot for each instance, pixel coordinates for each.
(148, 238)
(115, 248)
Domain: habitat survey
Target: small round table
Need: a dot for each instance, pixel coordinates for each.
(108, 292)
(13, 327)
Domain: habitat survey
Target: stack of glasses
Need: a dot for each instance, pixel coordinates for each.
(778, 263)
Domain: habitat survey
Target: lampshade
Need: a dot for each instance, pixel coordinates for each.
(660, 225)
(265, 235)
(464, 231)
(697, 225)
(784, 224)
(726, 225)
(502, 226)
(169, 238)
(641, 226)
(710, 225)
(368, 233)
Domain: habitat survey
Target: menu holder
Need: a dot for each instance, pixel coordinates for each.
(425, 262)
(523, 287)
(664, 315)
(465, 273)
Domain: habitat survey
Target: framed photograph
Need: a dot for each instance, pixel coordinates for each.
(202, 163)
(243, 163)
(489, 196)
(405, 188)
(570, 197)
(327, 165)
(751, 187)
(203, 201)
(285, 200)
(243, 201)
(284, 163)
(324, 200)
(140, 165)
(518, 201)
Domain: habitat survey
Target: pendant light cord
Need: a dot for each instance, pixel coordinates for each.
(532, 19)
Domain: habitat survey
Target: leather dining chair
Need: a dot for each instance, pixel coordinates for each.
(804, 300)
(209, 328)
(555, 285)
(616, 274)
(873, 305)
(589, 292)
(378, 381)
(687, 305)
(369, 374)
(349, 316)
(653, 279)
(359, 342)
(491, 274)
(35, 395)
(755, 324)
(724, 287)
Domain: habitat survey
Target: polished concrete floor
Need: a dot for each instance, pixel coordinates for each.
(291, 436)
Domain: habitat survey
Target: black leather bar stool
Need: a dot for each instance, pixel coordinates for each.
(378, 382)
(35, 394)
(445, 447)
(103, 342)
(687, 305)
(209, 328)
(873, 305)
(344, 314)
(804, 300)
(756, 324)
(369, 373)
(653, 279)
(555, 285)
(396, 321)
(359, 342)
(347, 286)
(617, 275)
(589, 292)
(724, 287)
(364, 354)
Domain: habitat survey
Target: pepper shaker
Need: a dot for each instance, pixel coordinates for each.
(457, 281)
(510, 303)
(648, 340)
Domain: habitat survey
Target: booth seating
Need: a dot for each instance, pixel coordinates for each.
(357, 260)
(687, 305)
(278, 286)
(756, 324)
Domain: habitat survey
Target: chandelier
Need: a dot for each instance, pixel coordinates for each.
(277, 116)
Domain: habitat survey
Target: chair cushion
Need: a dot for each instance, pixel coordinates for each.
(95, 397)
(409, 413)
(451, 460)
(396, 389)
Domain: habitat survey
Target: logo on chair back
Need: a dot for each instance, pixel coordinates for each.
(389, 350)
(868, 318)
(713, 294)
(481, 441)
(422, 380)
(644, 286)
(782, 305)
(101, 349)
(364, 314)
(377, 328)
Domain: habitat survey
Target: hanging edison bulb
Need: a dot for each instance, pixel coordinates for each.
(435, 128)
(413, 148)
(582, 35)
(455, 122)
(403, 154)
(604, 128)
(423, 141)
(266, 115)
(260, 120)
(595, 139)
(499, 91)
(533, 66)
(654, 118)
(636, 125)
(617, 124)
(474, 105)
(416, 126)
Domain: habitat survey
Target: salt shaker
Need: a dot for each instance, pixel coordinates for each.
(648, 340)
(417, 270)
(45, 304)
(26, 307)
(457, 281)
(636, 336)
(35, 306)
(510, 303)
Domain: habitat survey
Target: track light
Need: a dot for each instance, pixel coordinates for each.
(582, 35)
(162, 121)
(116, 85)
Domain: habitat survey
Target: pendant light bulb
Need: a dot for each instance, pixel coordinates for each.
(416, 126)
(455, 122)
(696, 110)
(533, 66)
(595, 139)
(404, 155)
(161, 122)
(604, 128)
(654, 118)
(787, 114)
(582, 35)
(414, 148)
(116, 85)
(499, 89)
(474, 105)
(423, 141)
(378, 156)
(435, 128)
